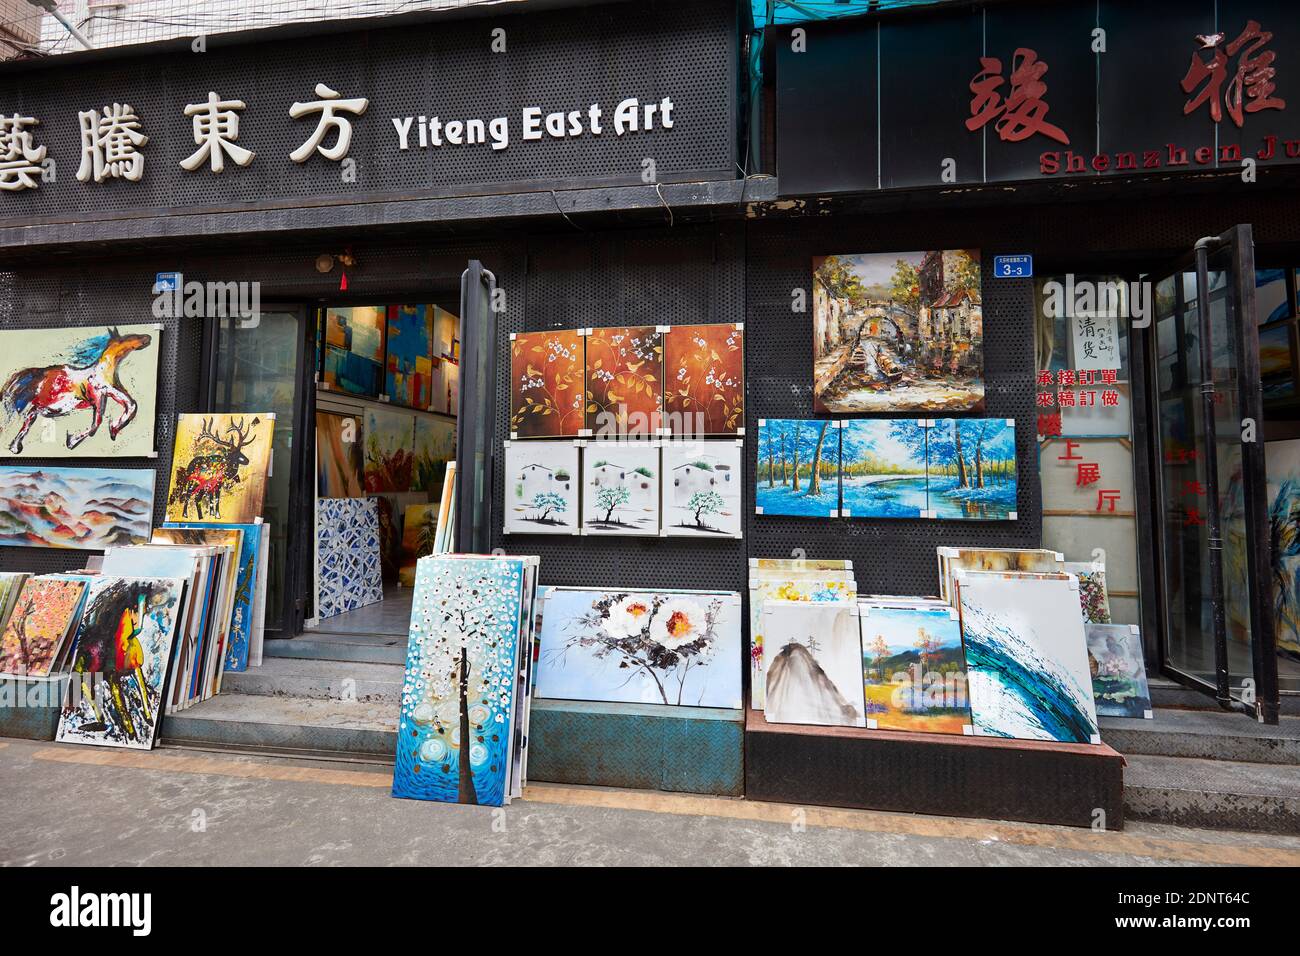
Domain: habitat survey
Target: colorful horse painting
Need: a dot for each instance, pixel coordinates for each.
(88, 381)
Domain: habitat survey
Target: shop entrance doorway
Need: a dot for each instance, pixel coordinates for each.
(1210, 526)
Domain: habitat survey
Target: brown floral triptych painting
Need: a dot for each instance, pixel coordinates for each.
(638, 380)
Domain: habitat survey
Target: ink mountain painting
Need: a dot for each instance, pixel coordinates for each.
(898, 332)
(90, 508)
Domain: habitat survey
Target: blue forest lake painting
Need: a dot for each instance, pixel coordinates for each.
(972, 468)
(883, 468)
(798, 469)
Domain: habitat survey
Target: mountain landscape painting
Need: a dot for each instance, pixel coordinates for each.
(914, 670)
(87, 508)
(814, 663)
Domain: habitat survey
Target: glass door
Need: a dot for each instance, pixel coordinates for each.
(1211, 515)
(258, 366)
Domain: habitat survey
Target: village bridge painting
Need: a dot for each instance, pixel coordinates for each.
(898, 332)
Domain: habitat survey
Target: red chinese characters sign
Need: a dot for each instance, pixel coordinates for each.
(1023, 112)
(1250, 88)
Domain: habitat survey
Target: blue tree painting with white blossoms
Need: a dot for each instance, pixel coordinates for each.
(453, 735)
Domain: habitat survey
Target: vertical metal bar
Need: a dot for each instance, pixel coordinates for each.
(1211, 458)
(1146, 469)
(1263, 636)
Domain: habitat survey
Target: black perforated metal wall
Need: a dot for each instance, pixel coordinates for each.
(555, 60)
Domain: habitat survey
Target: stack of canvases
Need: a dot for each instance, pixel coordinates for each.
(1007, 656)
(464, 717)
(605, 429)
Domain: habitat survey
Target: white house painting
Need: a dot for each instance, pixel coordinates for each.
(702, 485)
(541, 487)
(621, 488)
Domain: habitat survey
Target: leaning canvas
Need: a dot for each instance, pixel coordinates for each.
(339, 455)
(768, 583)
(87, 508)
(798, 469)
(648, 647)
(39, 624)
(1119, 675)
(85, 392)
(542, 482)
(1027, 657)
(1282, 465)
(458, 695)
(898, 331)
(435, 446)
(390, 450)
(702, 488)
(971, 468)
(347, 555)
(219, 467)
(243, 622)
(883, 468)
(123, 647)
(914, 669)
(620, 488)
(814, 663)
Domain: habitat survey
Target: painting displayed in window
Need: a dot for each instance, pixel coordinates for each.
(408, 376)
(898, 331)
(353, 358)
(340, 457)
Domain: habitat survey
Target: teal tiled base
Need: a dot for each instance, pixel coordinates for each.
(637, 746)
(29, 708)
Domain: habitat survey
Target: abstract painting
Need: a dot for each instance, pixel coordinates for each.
(883, 468)
(435, 445)
(1092, 590)
(1119, 674)
(42, 617)
(899, 331)
(971, 468)
(541, 487)
(1282, 467)
(340, 457)
(645, 647)
(419, 538)
(914, 670)
(219, 467)
(814, 663)
(85, 392)
(243, 620)
(347, 554)
(1026, 658)
(702, 488)
(786, 585)
(798, 468)
(620, 488)
(625, 382)
(390, 450)
(409, 360)
(458, 696)
(546, 384)
(354, 349)
(89, 508)
(704, 380)
(124, 645)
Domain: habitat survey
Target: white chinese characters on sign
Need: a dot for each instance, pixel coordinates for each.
(216, 127)
(20, 158)
(110, 144)
(328, 103)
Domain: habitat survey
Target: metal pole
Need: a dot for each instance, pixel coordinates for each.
(1212, 472)
(50, 7)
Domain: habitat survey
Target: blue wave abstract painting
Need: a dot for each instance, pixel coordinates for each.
(1026, 657)
(458, 695)
(798, 469)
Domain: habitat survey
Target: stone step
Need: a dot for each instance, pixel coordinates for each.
(300, 726)
(1217, 794)
(318, 680)
(361, 648)
(1205, 734)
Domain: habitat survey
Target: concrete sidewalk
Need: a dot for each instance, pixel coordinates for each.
(99, 807)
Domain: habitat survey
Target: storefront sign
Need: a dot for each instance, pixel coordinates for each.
(1016, 92)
